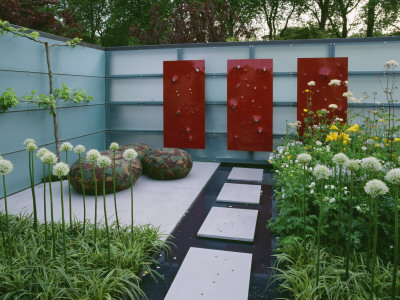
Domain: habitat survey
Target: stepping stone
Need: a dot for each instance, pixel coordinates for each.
(240, 193)
(246, 174)
(230, 224)
(212, 275)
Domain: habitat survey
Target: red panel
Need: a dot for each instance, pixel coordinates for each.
(184, 104)
(322, 71)
(250, 104)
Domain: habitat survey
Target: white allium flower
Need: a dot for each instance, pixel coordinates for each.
(324, 110)
(332, 200)
(28, 141)
(130, 154)
(352, 165)
(335, 82)
(31, 147)
(371, 164)
(332, 187)
(363, 148)
(311, 83)
(93, 155)
(340, 159)
(339, 119)
(41, 152)
(393, 176)
(333, 106)
(66, 146)
(60, 169)
(49, 158)
(376, 187)
(358, 207)
(312, 192)
(103, 161)
(391, 64)
(79, 149)
(312, 184)
(322, 172)
(304, 158)
(114, 146)
(318, 143)
(325, 187)
(6, 167)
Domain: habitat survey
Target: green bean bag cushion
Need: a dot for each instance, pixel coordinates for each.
(168, 163)
(141, 149)
(122, 176)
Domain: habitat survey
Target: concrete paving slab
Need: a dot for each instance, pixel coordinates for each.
(212, 275)
(246, 174)
(161, 203)
(240, 193)
(229, 224)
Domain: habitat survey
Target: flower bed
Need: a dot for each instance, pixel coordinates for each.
(337, 194)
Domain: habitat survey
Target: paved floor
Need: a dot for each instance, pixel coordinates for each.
(161, 203)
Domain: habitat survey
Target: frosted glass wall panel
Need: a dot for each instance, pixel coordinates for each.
(261, 157)
(77, 121)
(17, 126)
(216, 57)
(368, 56)
(281, 114)
(153, 139)
(136, 117)
(369, 112)
(140, 61)
(94, 86)
(136, 89)
(285, 56)
(285, 89)
(24, 55)
(82, 61)
(216, 118)
(216, 89)
(369, 84)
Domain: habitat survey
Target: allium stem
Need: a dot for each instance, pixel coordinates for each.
(374, 249)
(339, 211)
(348, 248)
(44, 207)
(130, 171)
(304, 208)
(83, 193)
(106, 221)
(319, 231)
(63, 227)
(8, 244)
(396, 242)
(69, 192)
(369, 231)
(32, 177)
(95, 206)
(115, 196)
(52, 217)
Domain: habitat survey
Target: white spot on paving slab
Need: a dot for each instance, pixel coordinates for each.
(212, 275)
(246, 174)
(230, 224)
(240, 193)
(161, 203)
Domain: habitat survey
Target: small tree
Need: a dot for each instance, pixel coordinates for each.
(9, 99)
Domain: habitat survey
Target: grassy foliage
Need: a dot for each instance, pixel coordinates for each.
(34, 274)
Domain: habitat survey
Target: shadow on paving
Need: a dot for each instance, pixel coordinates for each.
(185, 236)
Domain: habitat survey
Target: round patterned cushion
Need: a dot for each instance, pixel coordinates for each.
(168, 163)
(122, 175)
(141, 149)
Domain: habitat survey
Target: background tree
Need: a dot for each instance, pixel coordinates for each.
(339, 16)
(43, 15)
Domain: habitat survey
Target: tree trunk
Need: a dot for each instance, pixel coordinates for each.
(53, 109)
(371, 17)
(324, 8)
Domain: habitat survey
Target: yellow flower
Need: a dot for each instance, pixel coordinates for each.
(269, 161)
(376, 138)
(332, 136)
(385, 140)
(305, 148)
(376, 145)
(387, 144)
(380, 120)
(352, 128)
(344, 149)
(333, 127)
(375, 112)
(310, 146)
(305, 110)
(307, 91)
(396, 140)
(288, 157)
(344, 137)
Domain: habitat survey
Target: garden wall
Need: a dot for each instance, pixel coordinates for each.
(23, 67)
(134, 83)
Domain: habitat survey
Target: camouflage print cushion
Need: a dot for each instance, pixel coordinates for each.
(122, 176)
(141, 149)
(168, 163)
